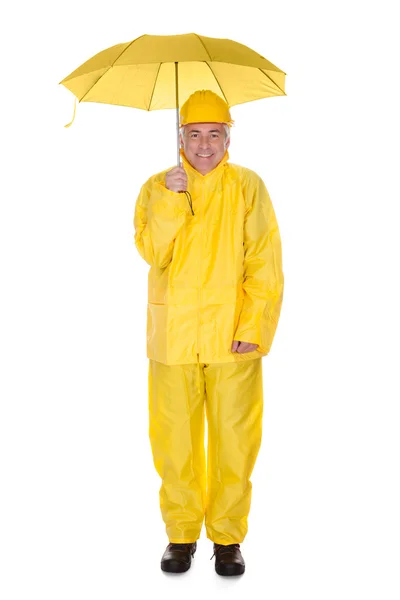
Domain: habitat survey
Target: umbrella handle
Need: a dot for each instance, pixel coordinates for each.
(178, 156)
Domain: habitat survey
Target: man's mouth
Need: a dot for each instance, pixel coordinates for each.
(204, 155)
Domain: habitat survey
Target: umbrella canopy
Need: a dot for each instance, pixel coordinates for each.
(156, 72)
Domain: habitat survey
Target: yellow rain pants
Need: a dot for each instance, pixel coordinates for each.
(216, 489)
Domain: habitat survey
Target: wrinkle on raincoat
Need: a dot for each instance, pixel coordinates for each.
(215, 276)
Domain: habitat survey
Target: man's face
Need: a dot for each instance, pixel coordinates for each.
(204, 145)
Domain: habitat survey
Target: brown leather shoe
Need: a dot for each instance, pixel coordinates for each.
(228, 559)
(177, 558)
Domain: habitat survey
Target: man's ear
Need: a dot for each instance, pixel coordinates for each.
(227, 143)
(181, 132)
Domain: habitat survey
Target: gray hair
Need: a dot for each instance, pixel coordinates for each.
(225, 127)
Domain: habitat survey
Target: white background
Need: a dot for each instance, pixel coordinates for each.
(79, 494)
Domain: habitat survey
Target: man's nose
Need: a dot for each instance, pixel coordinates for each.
(204, 142)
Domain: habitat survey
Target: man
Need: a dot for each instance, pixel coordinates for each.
(209, 232)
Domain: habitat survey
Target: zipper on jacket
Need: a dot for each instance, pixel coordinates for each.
(199, 279)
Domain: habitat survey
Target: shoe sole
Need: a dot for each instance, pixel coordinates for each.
(228, 570)
(175, 566)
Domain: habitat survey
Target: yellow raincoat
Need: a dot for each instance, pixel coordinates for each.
(216, 276)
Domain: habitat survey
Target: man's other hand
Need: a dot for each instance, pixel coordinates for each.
(242, 347)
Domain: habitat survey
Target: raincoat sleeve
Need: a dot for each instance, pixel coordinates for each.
(159, 215)
(263, 279)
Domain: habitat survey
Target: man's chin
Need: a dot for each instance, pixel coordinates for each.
(204, 166)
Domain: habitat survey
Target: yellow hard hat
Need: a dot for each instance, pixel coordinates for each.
(204, 106)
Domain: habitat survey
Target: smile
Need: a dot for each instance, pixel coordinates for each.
(204, 155)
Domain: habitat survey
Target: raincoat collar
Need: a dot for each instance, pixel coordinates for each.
(216, 169)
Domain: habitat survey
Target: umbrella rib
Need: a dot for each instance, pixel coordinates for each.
(275, 84)
(97, 80)
(215, 77)
(87, 91)
(219, 85)
(128, 46)
(154, 87)
(202, 43)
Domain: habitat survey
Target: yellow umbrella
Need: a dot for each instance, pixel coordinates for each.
(154, 72)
